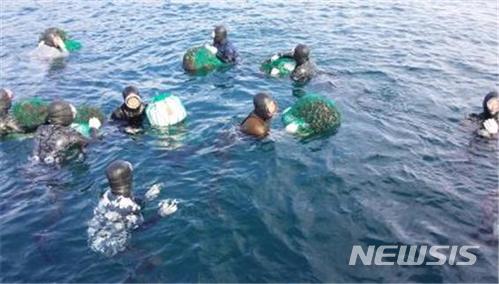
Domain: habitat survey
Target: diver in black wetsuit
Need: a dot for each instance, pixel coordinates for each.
(7, 123)
(304, 69)
(132, 111)
(225, 49)
(54, 139)
(489, 118)
(257, 122)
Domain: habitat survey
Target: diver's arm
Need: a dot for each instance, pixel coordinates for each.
(221, 56)
(94, 135)
(14, 127)
(150, 222)
(477, 117)
(224, 58)
(79, 140)
(287, 54)
(300, 75)
(134, 126)
(166, 208)
(303, 73)
(230, 54)
(36, 143)
(117, 114)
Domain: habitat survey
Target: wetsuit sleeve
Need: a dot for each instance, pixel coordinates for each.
(77, 138)
(287, 54)
(474, 117)
(118, 114)
(36, 141)
(228, 54)
(14, 127)
(153, 220)
(303, 73)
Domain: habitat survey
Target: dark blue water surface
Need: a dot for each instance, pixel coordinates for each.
(404, 168)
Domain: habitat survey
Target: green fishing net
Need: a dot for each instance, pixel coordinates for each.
(312, 114)
(30, 113)
(282, 66)
(160, 97)
(72, 45)
(85, 112)
(83, 128)
(200, 59)
(83, 115)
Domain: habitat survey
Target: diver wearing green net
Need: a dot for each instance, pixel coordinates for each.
(296, 64)
(8, 124)
(312, 115)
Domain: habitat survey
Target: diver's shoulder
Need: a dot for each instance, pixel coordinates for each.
(254, 125)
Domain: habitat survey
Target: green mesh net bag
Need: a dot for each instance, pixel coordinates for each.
(72, 45)
(30, 113)
(311, 115)
(280, 67)
(83, 114)
(200, 60)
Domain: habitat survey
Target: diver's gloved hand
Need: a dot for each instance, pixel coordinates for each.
(211, 48)
(292, 128)
(94, 123)
(167, 207)
(491, 126)
(274, 72)
(153, 192)
(132, 130)
(60, 43)
(274, 57)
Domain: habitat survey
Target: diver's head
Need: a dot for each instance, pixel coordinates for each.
(61, 113)
(132, 98)
(301, 53)
(120, 176)
(6, 96)
(265, 106)
(53, 37)
(219, 34)
(491, 104)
